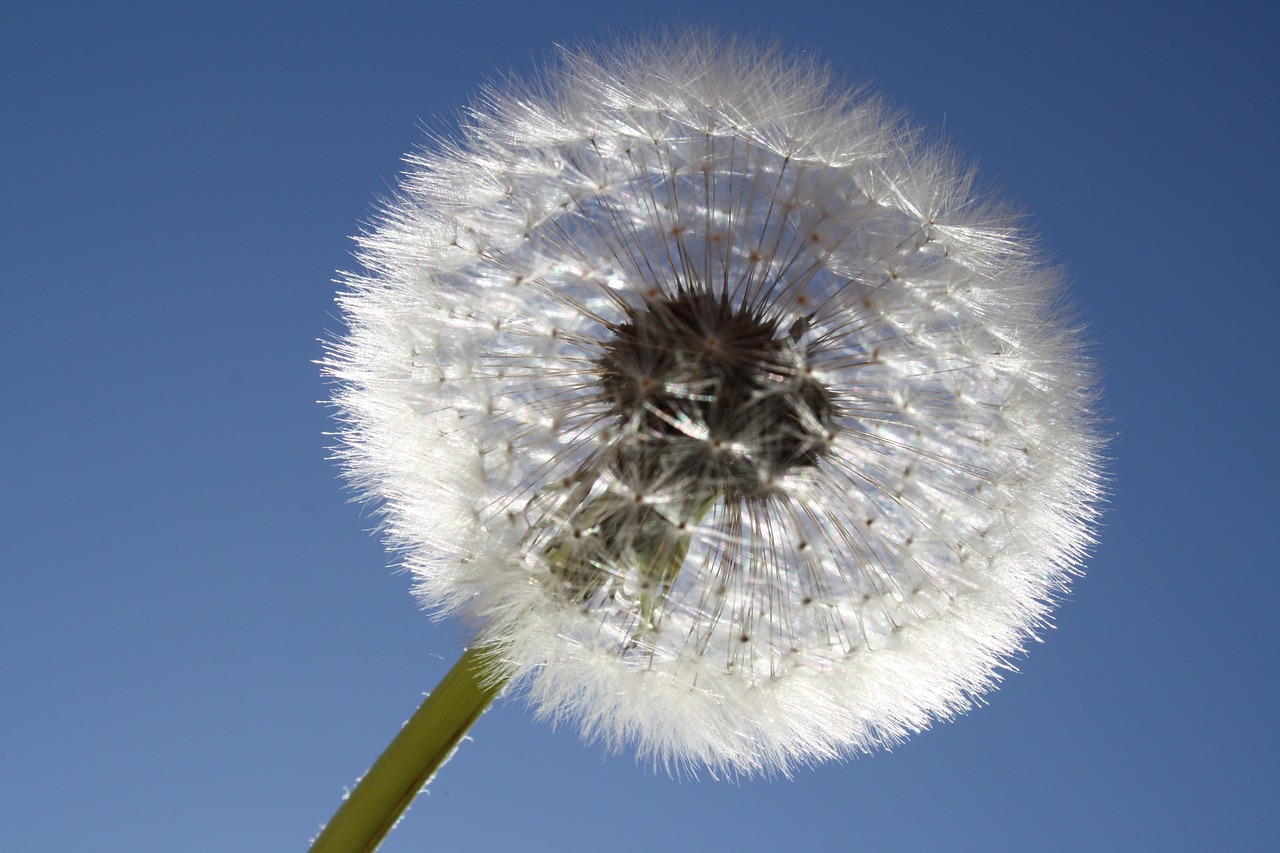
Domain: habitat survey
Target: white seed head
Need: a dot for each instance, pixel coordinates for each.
(716, 401)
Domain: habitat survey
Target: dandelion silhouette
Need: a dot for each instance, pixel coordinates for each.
(740, 430)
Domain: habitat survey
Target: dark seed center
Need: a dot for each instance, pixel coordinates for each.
(713, 392)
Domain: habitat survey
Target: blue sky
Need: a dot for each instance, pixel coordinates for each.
(201, 643)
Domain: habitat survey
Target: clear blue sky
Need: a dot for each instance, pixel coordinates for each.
(200, 642)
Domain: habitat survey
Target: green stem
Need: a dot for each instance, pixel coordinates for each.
(418, 751)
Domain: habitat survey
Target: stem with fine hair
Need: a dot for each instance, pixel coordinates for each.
(417, 752)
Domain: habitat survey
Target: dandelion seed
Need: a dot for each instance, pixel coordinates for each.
(739, 429)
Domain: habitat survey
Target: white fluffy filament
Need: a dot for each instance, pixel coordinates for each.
(716, 400)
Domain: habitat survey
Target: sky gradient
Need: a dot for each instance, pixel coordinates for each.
(201, 643)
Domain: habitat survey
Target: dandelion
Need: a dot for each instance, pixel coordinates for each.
(737, 426)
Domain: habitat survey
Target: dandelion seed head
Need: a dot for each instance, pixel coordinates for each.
(717, 401)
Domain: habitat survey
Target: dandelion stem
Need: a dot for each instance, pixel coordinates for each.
(425, 743)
